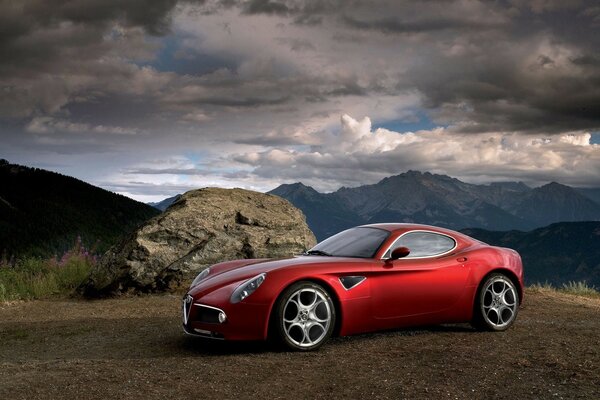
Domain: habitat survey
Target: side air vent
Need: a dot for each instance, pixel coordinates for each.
(351, 281)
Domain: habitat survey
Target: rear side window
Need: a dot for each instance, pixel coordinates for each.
(423, 244)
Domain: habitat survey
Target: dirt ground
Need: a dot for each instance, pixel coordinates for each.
(134, 348)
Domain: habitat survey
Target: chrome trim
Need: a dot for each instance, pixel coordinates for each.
(214, 308)
(187, 307)
(364, 278)
(416, 258)
(201, 333)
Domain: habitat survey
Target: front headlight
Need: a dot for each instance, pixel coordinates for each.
(247, 288)
(200, 276)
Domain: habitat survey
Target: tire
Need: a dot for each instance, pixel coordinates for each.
(497, 304)
(304, 317)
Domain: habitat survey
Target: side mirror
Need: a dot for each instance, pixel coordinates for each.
(399, 252)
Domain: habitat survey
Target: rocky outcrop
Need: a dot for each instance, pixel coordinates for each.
(201, 228)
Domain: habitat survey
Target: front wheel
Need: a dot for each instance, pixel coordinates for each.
(497, 304)
(304, 316)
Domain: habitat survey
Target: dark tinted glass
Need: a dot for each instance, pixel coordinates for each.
(423, 244)
(355, 242)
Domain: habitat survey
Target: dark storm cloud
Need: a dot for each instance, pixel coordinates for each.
(536, 74)
(20, 17)
(300, 9)
(486, 83)
(588, 60)
(272, 77)
(506, 91)
(240, 102)
(39, 32)
(265, 89)
(69, 24)
(53, 53)
(490, 82)
(395, 25)
(266, 7)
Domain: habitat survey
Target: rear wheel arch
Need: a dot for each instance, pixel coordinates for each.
(510, 274)
(478, 319)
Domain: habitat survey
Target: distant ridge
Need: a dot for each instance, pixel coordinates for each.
(42, 212)
(555, 202)
(558, 253)
(164, 204)
(441, 200)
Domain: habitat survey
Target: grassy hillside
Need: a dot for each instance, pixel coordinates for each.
(42, 213)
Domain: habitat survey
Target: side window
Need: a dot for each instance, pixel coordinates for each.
(424, 244)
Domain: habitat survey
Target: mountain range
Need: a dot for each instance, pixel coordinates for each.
(42, 213)
(440, 200)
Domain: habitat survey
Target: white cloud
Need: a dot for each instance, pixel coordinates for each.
(359, 155)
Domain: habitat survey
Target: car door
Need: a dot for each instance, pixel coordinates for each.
(429, 280)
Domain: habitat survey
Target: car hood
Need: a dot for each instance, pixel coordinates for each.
(233, 271)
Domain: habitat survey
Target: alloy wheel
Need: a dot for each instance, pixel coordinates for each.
(307, 317)
(499, 302)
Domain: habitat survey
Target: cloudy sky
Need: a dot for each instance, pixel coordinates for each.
(153, 98)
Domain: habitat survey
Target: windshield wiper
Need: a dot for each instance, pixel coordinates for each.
(318, 253)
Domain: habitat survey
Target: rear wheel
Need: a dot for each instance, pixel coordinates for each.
(497, 304)
(304, 316)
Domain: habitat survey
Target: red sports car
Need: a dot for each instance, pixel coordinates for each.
(364, 279)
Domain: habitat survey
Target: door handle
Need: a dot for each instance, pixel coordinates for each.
(461, 259)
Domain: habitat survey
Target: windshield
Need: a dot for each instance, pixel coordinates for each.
(356, 242)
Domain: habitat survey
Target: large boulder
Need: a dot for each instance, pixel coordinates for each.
(201, 228)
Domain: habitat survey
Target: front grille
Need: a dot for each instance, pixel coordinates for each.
(207, 315)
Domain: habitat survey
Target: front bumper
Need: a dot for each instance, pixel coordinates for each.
(240, 321)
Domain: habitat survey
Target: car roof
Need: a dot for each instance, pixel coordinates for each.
(398, 229)
(405, 227)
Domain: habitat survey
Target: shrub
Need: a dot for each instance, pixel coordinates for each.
(538, 285)
(35, 278)
(579, 288)
(571, 287)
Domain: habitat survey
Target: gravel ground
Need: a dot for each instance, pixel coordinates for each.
(134, 348)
